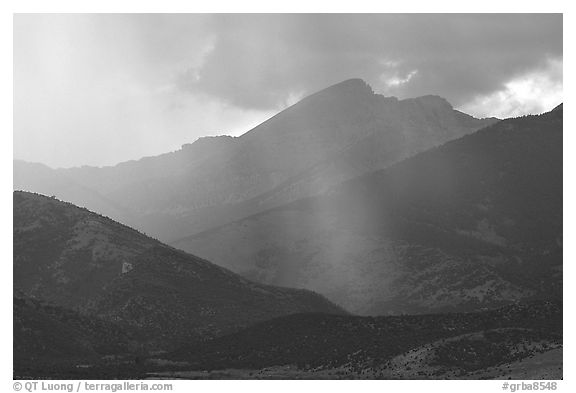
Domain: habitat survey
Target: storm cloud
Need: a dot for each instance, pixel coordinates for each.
(84, 84)
(259, 61)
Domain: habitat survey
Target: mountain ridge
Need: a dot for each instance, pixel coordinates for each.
(327, 137)
(75, 259)
(466, 206)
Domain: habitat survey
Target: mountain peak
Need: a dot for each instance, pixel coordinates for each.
(354, 86)
(558, 108)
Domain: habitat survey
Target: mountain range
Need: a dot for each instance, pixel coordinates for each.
(472, 224)
(333, 135)
(244, 257)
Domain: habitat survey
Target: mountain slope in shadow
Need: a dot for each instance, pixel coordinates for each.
(474, 223)
(77, 260)
(435, 346)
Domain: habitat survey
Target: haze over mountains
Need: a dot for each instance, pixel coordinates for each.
(331, 136)
(472, 224)
(346, 202)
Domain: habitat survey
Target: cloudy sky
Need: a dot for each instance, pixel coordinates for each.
(101, 89)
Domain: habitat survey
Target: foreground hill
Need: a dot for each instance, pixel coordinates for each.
(77, 260)
(474, 223)
(45, 334)
(331, 136)
(459, 345)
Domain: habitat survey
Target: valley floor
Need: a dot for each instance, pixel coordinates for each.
(546, 365)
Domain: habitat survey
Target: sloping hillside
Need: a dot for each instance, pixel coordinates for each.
(474, 223)
(331, 136)
(75, 259)
(420, 346)
(44, 333)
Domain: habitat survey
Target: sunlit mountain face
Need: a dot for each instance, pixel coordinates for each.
(334, 135)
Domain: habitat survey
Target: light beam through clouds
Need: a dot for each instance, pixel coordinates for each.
(86, 84)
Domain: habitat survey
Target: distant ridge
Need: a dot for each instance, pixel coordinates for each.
(330, 136)
(474, 223)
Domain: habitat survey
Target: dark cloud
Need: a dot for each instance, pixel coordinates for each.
(84, 84)
(258, 61)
